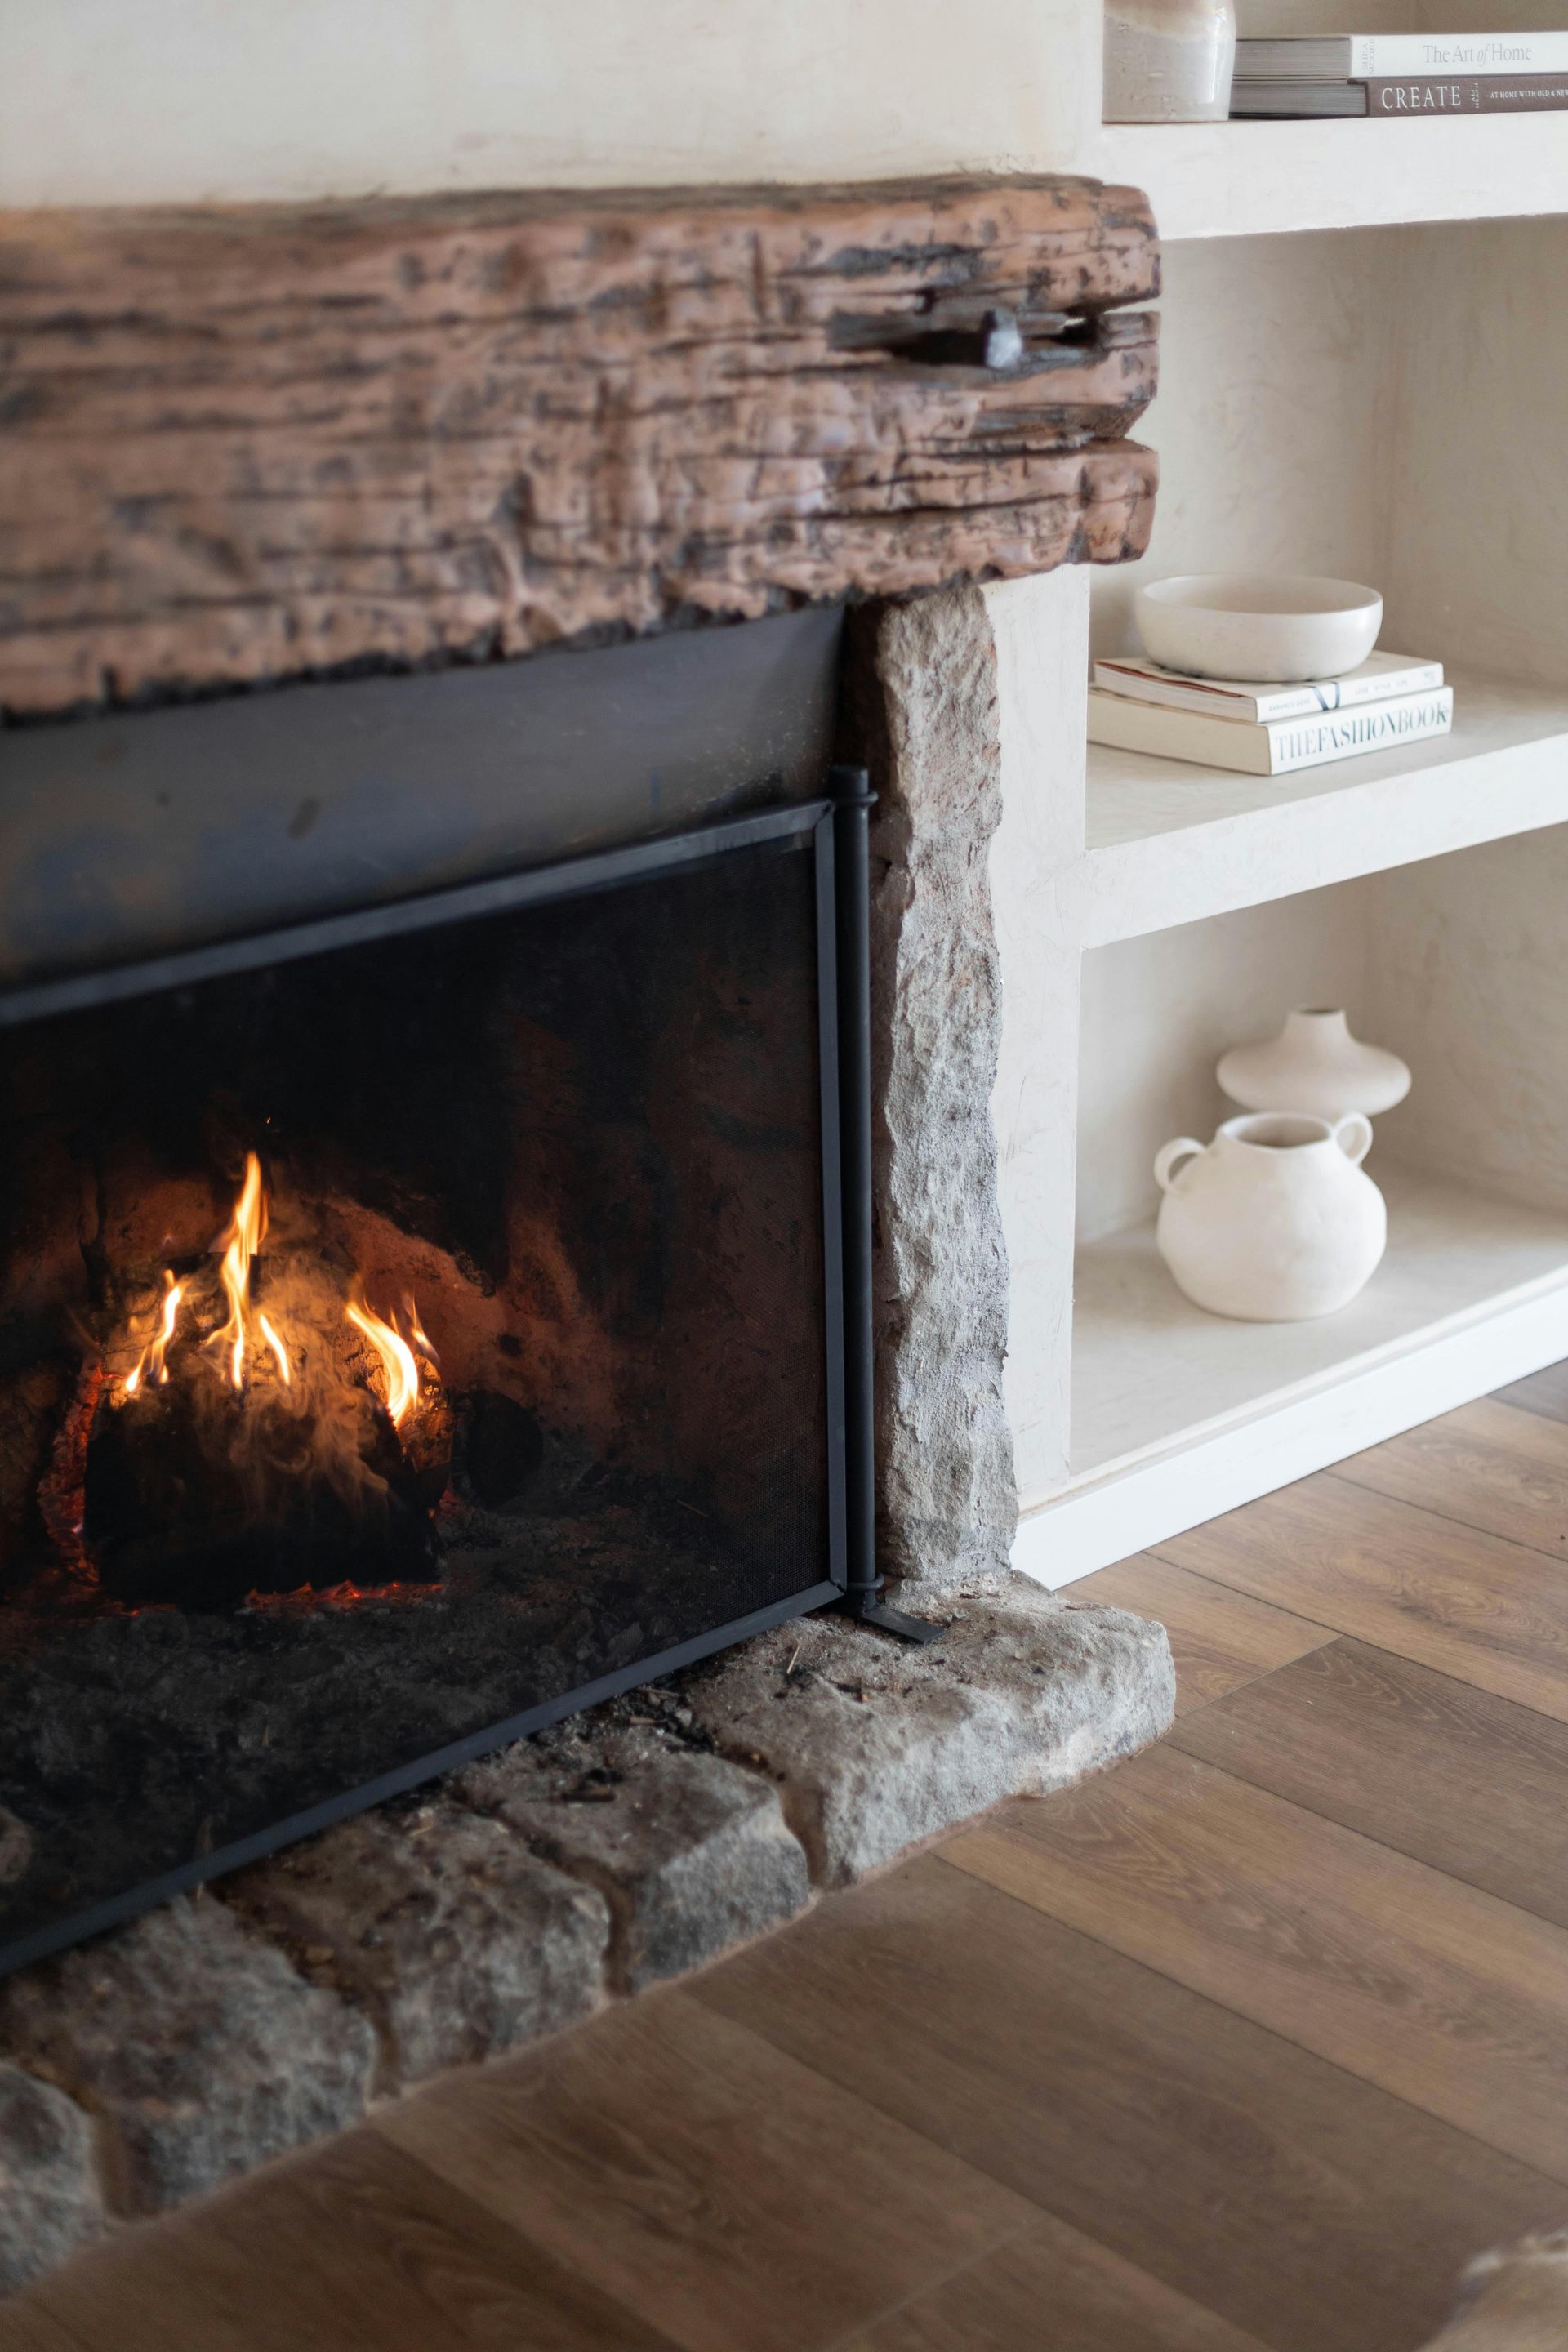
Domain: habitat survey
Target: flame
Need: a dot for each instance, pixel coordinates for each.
(244, 1237)
(417, 1332)
(280, 1353)
(396, 1359)
(152, 1360)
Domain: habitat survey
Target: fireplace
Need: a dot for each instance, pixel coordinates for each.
(422, 1309)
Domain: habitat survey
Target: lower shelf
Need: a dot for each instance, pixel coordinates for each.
(1178, 1414)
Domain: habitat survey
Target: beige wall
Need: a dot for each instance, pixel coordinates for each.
(107, 101)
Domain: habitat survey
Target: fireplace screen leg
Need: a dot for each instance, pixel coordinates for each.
(854, 799)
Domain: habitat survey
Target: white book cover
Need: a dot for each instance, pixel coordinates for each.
(1273, 747)
(1378, 679)
(1376, 57)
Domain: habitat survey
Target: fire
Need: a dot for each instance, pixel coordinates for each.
(152, 1358)
(280, 1353)
(397, 1360)
(244, 1237)
(249, 1338)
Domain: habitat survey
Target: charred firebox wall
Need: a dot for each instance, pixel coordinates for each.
(421, 1319)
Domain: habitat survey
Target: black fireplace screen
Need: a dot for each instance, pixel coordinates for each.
(404, 1342)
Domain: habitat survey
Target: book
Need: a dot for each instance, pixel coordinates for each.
(1465, 94)
(1377, 56)
(1378, 679)
(1274, 747)
(1423, 94)
(1285, 100)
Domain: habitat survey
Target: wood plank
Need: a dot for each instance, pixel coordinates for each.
(1488, 1465)
(1301, 2204)
(740, 2200)
(1442, 1995)
(1544, 1392)
(257, 442)
(1470, 1784)
(1088, 2298)
(1219, 1639)
(25, 2326)
(1490, 1611)
(356, 2244)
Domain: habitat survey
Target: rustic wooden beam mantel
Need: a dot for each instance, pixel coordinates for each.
(239, 444)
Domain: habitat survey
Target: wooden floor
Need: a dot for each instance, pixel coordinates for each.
(1251, 2041)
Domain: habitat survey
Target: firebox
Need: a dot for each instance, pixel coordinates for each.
(423, 1310)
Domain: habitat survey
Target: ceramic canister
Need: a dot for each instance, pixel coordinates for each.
(1314, 1064)
(1274, 1220)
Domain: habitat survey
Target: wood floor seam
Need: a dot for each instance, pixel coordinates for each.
(860, 2332)
(1287, 2040)
(1282, 2033)
(1341, 1474)
(1172, 1739)
(1340, 1633)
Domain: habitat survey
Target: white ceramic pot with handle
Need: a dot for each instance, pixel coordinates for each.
(1276, 1220)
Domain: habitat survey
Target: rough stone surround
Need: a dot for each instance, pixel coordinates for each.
(924, 693)
(623, 1848)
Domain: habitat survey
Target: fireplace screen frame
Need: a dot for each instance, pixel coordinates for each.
(832, 832)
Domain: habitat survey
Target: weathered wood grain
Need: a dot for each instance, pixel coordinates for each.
(246, 444)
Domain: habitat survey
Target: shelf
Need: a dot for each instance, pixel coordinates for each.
(1169, 843)
(1253, 179)
(1177, 1414)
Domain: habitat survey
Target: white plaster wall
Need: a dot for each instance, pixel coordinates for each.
(130, 102)
(1470, 981)
(1275, 416)
(1479, 466)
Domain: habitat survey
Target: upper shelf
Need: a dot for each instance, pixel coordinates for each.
(1251, 179)
(1169, 843)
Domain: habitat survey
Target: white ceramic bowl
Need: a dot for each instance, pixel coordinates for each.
(1256, 627)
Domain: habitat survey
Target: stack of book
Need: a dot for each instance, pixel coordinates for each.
(1389, 75)
(1266, 730)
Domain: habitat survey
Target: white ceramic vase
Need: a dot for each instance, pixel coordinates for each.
(1275, 1221)
(1314, 1064)
(1168, 60)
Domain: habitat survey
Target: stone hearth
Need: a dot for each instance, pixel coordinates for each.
(620, 1849)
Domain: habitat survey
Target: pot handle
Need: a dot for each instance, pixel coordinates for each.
(1354, 1135)
(1165, 1158)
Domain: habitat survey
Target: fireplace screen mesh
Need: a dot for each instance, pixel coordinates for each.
(394, 1344)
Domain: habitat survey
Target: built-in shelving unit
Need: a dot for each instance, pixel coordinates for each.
(1254, 178)
(1178, 1414)
(1362, 350)
(1170, 844)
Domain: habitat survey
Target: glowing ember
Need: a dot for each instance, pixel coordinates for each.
(244, 1238)
(396, 1359)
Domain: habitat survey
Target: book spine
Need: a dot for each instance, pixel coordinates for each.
(1467, 94)
(1377, 56)
(1343, 694)
(1375, 727)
